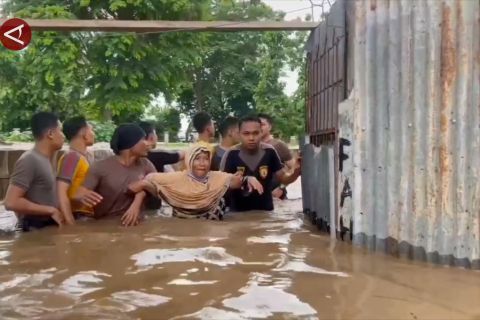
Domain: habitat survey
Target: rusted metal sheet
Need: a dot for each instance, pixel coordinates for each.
(415, 153)
(326, 77)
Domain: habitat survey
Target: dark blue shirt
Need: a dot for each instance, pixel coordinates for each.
(263, 165)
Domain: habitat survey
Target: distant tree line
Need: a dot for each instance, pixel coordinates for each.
(117, 77)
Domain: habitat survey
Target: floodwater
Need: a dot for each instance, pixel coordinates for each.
(255, 265)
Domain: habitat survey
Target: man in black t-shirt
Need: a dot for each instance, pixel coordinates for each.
(159, 158)
(253, 158)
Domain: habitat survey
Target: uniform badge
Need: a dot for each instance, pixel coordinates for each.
(263, 171)
(241, 170)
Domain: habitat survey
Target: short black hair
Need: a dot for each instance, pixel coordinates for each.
(72, 126)
(201, 120)
(147, 126)
(266, 117)
(227, 123)
(42, 122)
(249, 119)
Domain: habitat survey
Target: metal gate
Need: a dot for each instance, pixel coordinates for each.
(325, 89)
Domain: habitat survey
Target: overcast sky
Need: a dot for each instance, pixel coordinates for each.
(296, 9)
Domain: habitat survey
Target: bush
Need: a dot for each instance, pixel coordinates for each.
(103, 133)
(17, 136)
(103, 130)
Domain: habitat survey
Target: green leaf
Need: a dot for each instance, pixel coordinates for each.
(117, 4)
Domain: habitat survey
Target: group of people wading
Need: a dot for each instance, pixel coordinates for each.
(242, 173)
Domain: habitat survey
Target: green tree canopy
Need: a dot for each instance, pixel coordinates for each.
(116, 76)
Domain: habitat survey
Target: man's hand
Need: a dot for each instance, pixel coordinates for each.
(130, 217)
(254, 184)
(57, 216)
(90, 198)
(287, 178)
(277, 193)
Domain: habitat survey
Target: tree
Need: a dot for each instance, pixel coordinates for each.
(165, 119)
(116, 76)
(240, 73)
(102, 75)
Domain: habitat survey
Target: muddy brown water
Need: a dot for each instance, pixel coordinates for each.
(252, 265)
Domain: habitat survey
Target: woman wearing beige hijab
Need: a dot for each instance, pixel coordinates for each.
(196, 192)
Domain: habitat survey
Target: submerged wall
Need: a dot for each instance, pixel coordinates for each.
(416, 130)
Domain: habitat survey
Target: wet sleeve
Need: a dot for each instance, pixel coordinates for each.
(275, 162)
(23, 173)
(67, 167)
(93, 177)
(284, 152)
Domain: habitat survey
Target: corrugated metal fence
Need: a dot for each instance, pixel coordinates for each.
(325, 90)
(415, 129)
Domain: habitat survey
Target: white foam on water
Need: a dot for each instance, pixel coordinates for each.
(210, 255)
(264, 302)
(132, 299)
(257, 302)
(281, 239)
(83, 283)
(300, 266)
(26, 280)
(186, 282)
(216, 239)
(209, 313)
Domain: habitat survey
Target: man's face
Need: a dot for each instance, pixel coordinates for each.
(89, 135)
(56, 136)
(152, 139)
(141, 148)
(250, 135)
(266, 128)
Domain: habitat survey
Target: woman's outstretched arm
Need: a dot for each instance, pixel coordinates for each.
(143, 185)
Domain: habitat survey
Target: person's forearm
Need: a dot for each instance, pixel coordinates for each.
(149, 187)
(66, 208)
(290, 165)
(236, 182)
(24, 206)
(138, 200)
(289, 178)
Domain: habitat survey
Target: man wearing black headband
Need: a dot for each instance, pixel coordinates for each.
(109, 178)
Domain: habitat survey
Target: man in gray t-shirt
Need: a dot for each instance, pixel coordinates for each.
(31, 193)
